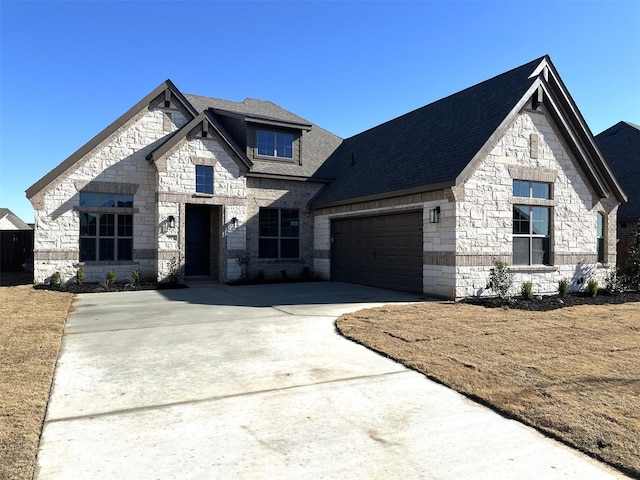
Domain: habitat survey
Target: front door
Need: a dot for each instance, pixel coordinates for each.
(198, 240)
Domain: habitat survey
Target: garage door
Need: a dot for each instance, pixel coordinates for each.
(380, 251)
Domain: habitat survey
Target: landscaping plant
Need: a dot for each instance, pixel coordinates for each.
(527, 290)
(592, 287)
(80, 276)
(500, 279)
(563, 287)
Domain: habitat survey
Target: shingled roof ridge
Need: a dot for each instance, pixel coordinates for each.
(533, 64)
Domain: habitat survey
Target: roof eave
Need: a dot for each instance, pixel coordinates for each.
(381, 196)
(106, 133)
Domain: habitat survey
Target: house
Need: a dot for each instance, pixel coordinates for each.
(621, 147)
(504, 170)
(16, 242)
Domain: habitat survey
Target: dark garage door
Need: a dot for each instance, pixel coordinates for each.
(379, 251)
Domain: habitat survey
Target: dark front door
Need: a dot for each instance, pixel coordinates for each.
(198, 240)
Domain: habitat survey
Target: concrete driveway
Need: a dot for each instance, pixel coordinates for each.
(252, 382)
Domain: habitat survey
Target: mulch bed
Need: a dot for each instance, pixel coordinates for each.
(545, 303)
(117, 287)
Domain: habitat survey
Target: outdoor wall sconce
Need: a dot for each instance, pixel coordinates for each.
(434, 215)
(172, 221)
(234, 221)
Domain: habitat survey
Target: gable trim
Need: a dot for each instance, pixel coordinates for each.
(165, 86)
(205, 119)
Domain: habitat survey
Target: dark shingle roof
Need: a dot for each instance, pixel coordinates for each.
(428, 146)
(620, 144)
(318, 144)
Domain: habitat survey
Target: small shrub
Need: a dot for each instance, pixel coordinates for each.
(563, 287)
(175, 271)
(80, 276)
(111, 277)
(134, 278)
(260, 275)
(243, 261)
(630, 269)
(527, 290)
(306, 273)
(500, 279)
(613, 283)
(592, 287)
(55, 279)
(283, 274)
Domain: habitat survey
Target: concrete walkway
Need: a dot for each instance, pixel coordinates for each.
(252, 382)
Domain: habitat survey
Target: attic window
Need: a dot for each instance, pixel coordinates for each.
(275, 144)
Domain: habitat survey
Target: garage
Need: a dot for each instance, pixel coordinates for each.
(379, 251)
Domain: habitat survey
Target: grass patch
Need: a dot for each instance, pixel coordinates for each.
(572, 373)
(30, 339)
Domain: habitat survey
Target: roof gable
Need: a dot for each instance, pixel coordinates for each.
(439, 145)
(167, 88)
(201, 122)
(621, 146)
(17, 222)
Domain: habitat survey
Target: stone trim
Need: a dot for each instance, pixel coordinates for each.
(536, 202)
(166, 254)
(120, 210)
(53, 255)
(545, 175)
(482, 259)
(575, 258)
(106, 187)
(204, 161)
(201, 199)
(439, 258)
(321, 254)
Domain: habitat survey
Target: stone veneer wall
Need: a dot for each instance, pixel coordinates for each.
(177, 188)
(484, 212)
(287, 194)
(117, 161)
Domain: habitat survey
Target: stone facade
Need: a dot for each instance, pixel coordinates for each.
(119, 158)
(476, 219)
(484, 218)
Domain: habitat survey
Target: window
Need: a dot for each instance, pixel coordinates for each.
(204, 179)
(274, 144)
(105, 233)
(279, 233)
(600, 235)
(531, 225)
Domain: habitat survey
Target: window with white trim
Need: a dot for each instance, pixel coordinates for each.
(106, 227)
(279, 235)
(275, 144)
(531, 224)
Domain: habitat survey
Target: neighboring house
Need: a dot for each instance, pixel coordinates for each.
(504, 170)
(16, 242)
(621, 146)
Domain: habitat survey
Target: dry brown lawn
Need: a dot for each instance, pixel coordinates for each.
(30, 336)
(572, 373)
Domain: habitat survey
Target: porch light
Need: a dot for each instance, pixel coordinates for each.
(434, 215)
(172, 221)
(234, 221)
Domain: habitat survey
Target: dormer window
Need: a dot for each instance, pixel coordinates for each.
(275, 144)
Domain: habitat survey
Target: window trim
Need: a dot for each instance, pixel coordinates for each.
(275, 135)
(118, 213)
(601, 240)
(279, 237)
(530, 203)
(202, 184)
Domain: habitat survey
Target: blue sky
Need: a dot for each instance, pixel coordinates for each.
(68, 69)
